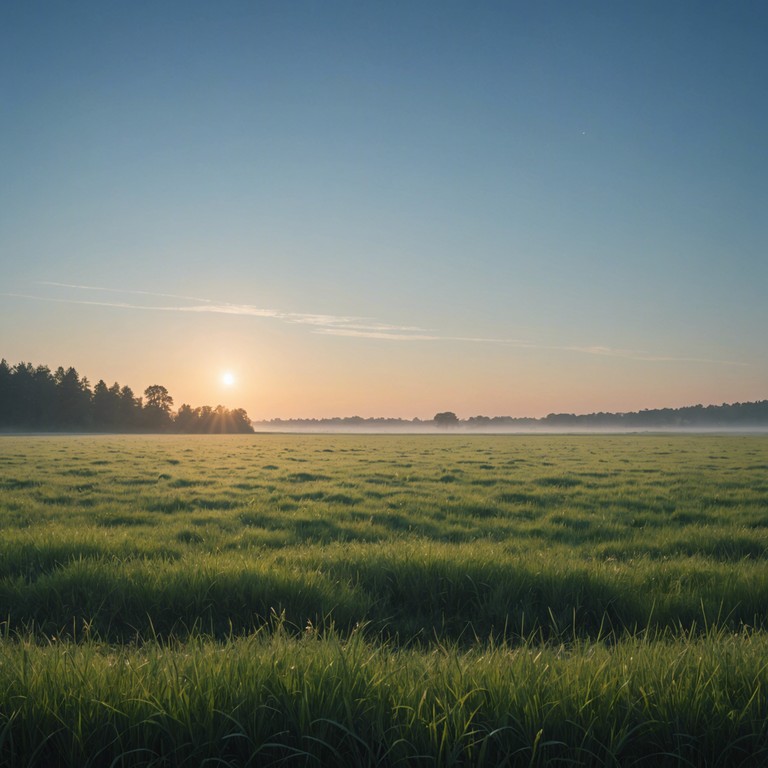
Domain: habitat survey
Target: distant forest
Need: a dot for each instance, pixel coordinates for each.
(735, 416)
(38, 399)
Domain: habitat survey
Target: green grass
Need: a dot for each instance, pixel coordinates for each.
(274, 698)
(383, 600)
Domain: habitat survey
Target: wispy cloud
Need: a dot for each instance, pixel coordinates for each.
(349, 326)
(601, 351)
(320, 322)
(392, 334)
(124, 291)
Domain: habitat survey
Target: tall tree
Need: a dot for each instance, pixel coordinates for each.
(73, 398)
(6, 391)
(158, 397)
(130, 409)
(106, 405)
(157, 408)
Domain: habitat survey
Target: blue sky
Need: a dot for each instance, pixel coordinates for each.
(389, 208)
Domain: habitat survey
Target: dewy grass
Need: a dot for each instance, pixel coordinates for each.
(412, 589)
(275, 698)
(383, 600)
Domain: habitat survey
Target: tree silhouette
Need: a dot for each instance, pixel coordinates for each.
(105, 405)
(74, 398)
(446, 419)
(158, 397)
(186, 419)
(130, 409)
(6, 392)
(240, 421)
(157, 409)
(218, 420)
(34, 398)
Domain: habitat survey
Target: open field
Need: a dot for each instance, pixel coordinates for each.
(374, 600)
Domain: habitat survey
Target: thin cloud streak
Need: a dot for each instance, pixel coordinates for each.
(321, 322)
(522, 344)
(347, 326)
(631, 354)
(120, 290)
(355, 333)
(230, 309)
(381, 333)
(115, 304)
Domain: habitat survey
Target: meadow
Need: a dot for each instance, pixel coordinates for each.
(383, 600)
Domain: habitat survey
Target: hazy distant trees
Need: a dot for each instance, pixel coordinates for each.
(734, 416)
(212, 420)
(34, 398)
(446, 419)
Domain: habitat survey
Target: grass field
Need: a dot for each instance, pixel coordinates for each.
(383, 600)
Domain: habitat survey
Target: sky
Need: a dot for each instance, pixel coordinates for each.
(389, 208)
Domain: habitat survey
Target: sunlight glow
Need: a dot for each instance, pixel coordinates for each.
(228, 378)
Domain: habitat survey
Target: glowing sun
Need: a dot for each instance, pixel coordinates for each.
(228, 378)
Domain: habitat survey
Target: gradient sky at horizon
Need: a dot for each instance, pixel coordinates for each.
(389, 209)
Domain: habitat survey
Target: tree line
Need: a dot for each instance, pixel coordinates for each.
(36, 398)
(726, 416)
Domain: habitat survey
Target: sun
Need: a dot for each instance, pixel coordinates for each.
(228, 379)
